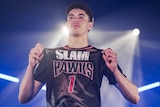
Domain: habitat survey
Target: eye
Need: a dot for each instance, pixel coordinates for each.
(70, 17)
(81, 17)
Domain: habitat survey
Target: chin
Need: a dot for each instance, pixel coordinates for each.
(74, 33)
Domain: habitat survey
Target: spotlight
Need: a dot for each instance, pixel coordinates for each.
(136, 32)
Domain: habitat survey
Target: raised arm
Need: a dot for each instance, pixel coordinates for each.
(128, 89)
(28, 86)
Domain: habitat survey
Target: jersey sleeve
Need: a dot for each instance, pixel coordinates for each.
(110, 75)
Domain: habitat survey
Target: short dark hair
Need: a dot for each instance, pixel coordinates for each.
(80, 5)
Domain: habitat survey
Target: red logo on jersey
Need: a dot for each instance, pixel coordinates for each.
(72, 67)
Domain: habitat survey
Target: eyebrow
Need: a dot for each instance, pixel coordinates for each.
(78, 15)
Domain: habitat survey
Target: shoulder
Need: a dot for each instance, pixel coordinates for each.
(95, 50)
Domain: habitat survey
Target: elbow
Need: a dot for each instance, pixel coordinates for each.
(134, 99)
(134, 96)
(22, 99)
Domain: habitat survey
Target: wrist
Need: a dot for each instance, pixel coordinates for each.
(116, 72)
(30, 68)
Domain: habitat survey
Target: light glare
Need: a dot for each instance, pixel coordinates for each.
(43, 88)
(65, 30)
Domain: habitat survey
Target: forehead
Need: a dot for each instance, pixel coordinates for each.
(77, 12)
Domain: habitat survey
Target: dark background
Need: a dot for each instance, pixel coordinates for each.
(23, 23)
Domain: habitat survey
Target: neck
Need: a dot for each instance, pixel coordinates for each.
(78, 41)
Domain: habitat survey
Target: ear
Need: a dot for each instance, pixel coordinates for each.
(91, 24)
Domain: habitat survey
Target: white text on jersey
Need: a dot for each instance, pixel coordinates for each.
(72, 55)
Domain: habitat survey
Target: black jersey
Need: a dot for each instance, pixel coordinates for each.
(73, 76)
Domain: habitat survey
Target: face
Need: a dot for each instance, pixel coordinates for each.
(78, 22)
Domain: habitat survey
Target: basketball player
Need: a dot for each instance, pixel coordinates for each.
(73, 73)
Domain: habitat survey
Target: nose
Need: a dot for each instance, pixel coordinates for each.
(75, 18)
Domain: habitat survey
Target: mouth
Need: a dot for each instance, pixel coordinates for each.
(75, 25)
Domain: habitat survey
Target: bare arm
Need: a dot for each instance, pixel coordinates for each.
(29, 87)
(128, 89)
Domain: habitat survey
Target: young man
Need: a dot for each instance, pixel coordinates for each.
(73, 73)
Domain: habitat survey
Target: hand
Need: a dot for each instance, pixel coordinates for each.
(110, 58)
(35, 55)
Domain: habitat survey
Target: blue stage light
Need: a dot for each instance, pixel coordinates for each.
(9, 78)
(149, 86)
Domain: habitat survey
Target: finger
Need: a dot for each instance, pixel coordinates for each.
(40, 58)
(105, 54)
(37, 50)
(110, 53)
(109, 50)
(110, 57)
(106, 59)
(39, 47)
(106, 51)
(34, 56)
(41, 51)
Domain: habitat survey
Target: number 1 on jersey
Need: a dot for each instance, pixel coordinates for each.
(71, 83)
